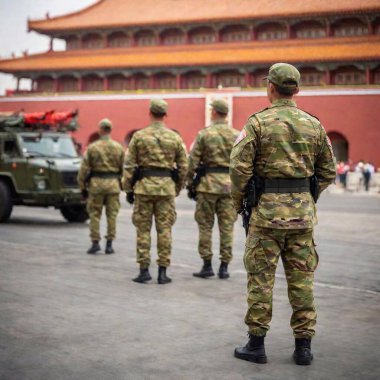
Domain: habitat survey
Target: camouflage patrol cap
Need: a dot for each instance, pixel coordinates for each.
(220, 106)
(284, 75)
(105, 123)
(158, 106)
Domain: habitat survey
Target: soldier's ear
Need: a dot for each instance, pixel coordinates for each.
(296, 91)
(271, 88)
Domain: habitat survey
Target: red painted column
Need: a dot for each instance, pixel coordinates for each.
(18, 85)
(247, 79)
(187, 37)
(328, 77)
(328, 29)
(209, 78)
(289, 30)
(51, 44)
(152, 82)
(370, 27)
(132, 82)
(253, 34)
(218, 37)
(105, 83)
(80, 84)
(132, 38)
(158, 39)
(56, 85)
(368, 76)
(178, 80)
(80, 42)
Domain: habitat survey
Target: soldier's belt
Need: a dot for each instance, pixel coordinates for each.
(105, 174)
(145, 172)
(286, 185)
(217, 169)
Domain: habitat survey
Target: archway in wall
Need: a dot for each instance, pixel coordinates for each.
(340, 146)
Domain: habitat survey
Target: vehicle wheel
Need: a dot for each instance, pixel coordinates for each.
(75, 214)
(6, 204)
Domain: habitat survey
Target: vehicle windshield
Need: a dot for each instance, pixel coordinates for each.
(48, 146)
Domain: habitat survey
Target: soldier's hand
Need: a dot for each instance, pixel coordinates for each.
(130, 197)
(84, 194)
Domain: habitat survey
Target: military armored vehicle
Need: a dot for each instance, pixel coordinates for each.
(39, 164)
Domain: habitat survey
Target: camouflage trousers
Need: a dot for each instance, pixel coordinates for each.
(207, 206)
(263, 248)
(95, 203)
(163, 210)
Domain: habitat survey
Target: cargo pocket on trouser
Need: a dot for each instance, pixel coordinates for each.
(255, 257)
(313, 258)
(300, 253)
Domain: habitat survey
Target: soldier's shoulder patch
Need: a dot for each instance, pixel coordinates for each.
(328, 141)
(242, 136)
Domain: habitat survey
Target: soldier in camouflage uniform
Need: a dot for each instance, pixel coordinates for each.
(99, 179)
(154, 152)
(212, 150)
(284, 146)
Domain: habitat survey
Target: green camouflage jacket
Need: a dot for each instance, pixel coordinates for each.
(155, 146)
(104, 155)
(282, 141)
(213, 147)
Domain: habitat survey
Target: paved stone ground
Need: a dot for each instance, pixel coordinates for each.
(67, 315)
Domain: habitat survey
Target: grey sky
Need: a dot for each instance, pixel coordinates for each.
(13, 28)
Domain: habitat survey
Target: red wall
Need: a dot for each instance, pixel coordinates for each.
(357, 117)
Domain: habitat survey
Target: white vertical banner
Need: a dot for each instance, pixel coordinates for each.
(213, 96)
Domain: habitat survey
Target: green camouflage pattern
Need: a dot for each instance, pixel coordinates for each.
(104, 155)
(95, 203)
(213, 147)
(158, 106)
(282, 141)
(284, 75)
(105, 123)
(207, 206)
(155, 146)
(163, 210)
(263, 248)
(220, 105)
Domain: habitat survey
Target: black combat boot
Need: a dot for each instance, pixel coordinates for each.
(144, 276)
(162, 277)
(206, 270)
(109, 249)
(94, 248)
(302, 354)
(253, 351)
(223, 270)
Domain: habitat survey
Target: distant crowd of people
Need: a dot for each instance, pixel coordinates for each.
(365, 168)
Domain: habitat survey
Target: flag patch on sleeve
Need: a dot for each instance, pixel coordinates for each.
(242, 136)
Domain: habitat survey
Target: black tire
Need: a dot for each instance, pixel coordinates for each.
(75, 214)
(6, 203)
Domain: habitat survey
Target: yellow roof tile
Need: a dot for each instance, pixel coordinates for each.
(119, 13)
(256, 52)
